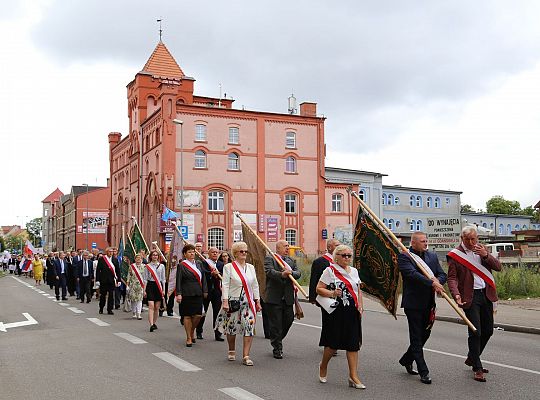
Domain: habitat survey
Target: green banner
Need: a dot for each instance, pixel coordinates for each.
(137, 240)
(376, 258)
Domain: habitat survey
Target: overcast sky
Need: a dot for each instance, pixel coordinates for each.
(435, 94)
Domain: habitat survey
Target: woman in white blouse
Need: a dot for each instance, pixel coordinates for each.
(240, 302)
(154, 280)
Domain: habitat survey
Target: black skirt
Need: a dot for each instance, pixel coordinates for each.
(342, 330)
(191, 305)
(152, 292)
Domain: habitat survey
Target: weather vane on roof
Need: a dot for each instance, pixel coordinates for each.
(160, 30)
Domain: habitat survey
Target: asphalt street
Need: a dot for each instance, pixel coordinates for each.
(72, 352)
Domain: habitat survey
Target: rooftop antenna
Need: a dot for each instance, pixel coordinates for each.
(219, 102)
(292, 103)
(160, 30)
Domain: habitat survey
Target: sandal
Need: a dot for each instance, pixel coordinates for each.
(231, 355)
(247, 361)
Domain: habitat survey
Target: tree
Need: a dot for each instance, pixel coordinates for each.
(467, 208)
(34, 231)
(529, 210)
(14, 242)
(499, 205)
(2, 244)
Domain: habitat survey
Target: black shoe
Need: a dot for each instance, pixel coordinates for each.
(88, 301)
(57, 298)
(410, 369)
(155, 326)
(170, 314)
(64, 298)
(82, 301)
(152, 328)
(425, 379)
(219, 338)
(110, 313)
(199, 336)
(101, 311)
(468, 362)
(117, 307)
(77, 298)
(278, 355)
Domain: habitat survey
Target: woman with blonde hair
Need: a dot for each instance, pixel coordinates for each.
(240, 302)
(342, 306)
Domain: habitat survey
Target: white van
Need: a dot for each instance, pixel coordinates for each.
(495, 248)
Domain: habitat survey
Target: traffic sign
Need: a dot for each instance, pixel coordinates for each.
(94, 245)
(184, 231)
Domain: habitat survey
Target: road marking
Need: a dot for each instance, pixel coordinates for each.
(98, 322)
(76, 310)
(130, 338)
(239, 394)
(29, 321)
(51, 297)
(64, 304)
(485, 362)
(45, 294)
(41, 291)
(308, 325)
(177, 362)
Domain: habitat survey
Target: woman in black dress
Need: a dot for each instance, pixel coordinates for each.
(342, 307)
(191, 287)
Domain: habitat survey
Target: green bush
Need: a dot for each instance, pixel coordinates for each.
(304, 265)
(517, 282)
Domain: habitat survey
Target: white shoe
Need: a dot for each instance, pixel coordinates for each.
(134, 316)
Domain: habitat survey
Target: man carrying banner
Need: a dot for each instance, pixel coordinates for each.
(280, 295)
(473, 288)
(212, 269)
(108, 276)
(418, 300)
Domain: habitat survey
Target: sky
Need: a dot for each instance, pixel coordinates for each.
(442, 95)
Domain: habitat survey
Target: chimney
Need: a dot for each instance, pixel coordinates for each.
(308, 109)
(114, 138)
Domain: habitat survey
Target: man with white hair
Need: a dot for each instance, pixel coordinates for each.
(473, 288)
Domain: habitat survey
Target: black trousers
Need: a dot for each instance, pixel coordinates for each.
(216, 306)
(280, 318)
(85, 287)
(480, 313)
(266, 323)
(60, 283)
(106, 292)
(418, 335)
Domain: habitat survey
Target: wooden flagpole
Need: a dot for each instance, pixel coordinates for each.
(278, 260)
(156, 247)
(404, 249)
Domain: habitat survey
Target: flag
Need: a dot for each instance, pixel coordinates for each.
(177, 244)
(29, 249)
(25, 264)
(256, 255)
(123, 270)
(168, 214)
(128, 258)
(137, 240)
(376, 257)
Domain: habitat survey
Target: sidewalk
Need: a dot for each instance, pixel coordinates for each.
(510, 317)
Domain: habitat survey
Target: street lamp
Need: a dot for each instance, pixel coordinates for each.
(181, 123)
(86, 184)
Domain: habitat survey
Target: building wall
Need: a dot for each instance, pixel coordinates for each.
(98, 211)
(501, 225)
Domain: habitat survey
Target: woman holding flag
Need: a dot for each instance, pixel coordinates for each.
(135, 285)
(341, 300)
(240, 302)
(154, 278)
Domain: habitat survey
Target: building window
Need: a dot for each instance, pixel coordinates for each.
(385, 221)
(419, 225)
(412, 225)
(234, 135)
(384, 199)
(234, 162)
(447, 201)
(397, 223)
(418, 201)
(396, 201)
(491, 226)
(501, 229)
(290, 203)
(516, 228)
(290, 236)
(216, 238)
(290, 164)
(290, 140)
(200, 133)
(200, 159)
(216, 201)
(437, 202)
(337, 201)
(362, 195)
(484, 225)
(508, 229)
(412, 200)
(391, 224)
(429, 202)
(390, 199)
(524, 228)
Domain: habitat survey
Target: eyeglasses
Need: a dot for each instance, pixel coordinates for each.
(345, 255)
(243, 251)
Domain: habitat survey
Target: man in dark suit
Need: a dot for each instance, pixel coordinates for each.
(279, 294)
(418, 300)
(472, 286)
(85, 275)
(61, 270)
(318, 266)
(211, 268)
(108, 276)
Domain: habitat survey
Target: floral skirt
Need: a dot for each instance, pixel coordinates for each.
(237, 322)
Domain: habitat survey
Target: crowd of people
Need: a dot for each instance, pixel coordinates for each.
(229, 284)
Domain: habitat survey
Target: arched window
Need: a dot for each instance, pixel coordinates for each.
(384, 199)
(491, 225)
(484, 225)
(524, 228)
(516, 228)
(412, 200)
(397, 223)
(391, 224)
(290, 203)
(216, 238)
(437, 202)
(447, 201)
(337, 202)
(233, 162)
(290, 164)
(419, 225)
(396, 201)
(200, 133)
(362, 194)
(390, 199)
(290, 236)
(385, 221)
(501, 229)
(412, 225)
(429, 202)
(216, 201)
(200, 159)
(508, 229)
(234, 135)
(290, 140)
(419, 201)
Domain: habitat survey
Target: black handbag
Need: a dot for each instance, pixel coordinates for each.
(234, 305)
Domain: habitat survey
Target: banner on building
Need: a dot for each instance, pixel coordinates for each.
(443, 233)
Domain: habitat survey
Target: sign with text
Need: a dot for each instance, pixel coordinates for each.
(96, 221)
(165, 226)
(443, 233)
(272, 229)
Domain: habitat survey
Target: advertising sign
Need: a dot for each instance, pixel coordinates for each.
(443, 233)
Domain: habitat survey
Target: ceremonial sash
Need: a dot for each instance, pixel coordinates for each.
(194, 270)
(419, 260)
(137, 274)
(172, 282)
(111, 267)
(328, 258)
(247, 289)
(347, 283)
(213, 268)
(288, 267)
(468, 262)
(154, 276)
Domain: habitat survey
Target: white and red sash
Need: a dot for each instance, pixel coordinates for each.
(154, 276)
(328, 257)
(288, 267)
(472, 265)
(347, 280)
(194, 270)
(137, 274)
(212, 264)
(111, 267)
(247, 289)
(419, 261)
